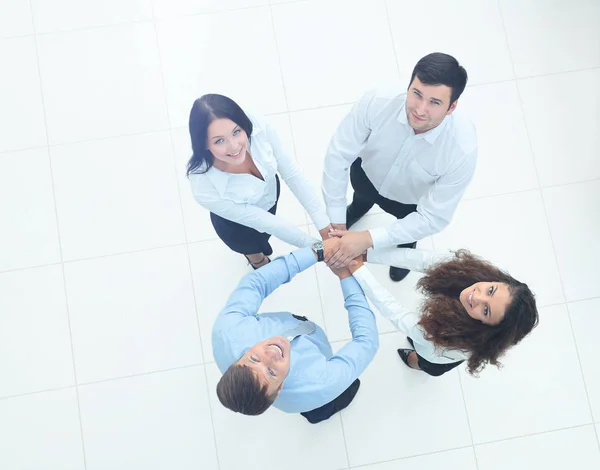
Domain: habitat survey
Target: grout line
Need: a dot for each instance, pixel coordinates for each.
(523, 436)
(464, 399)
(389, 23)
(344, 437)
(187, 246)
(60, 249)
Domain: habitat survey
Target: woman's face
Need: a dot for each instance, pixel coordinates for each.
(486, 301)
(227, 141)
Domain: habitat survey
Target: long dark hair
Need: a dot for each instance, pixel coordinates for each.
(205, 110)
(448, 325)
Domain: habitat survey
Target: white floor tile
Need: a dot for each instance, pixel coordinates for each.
(574, 219)
(116, 195)
(571, 448)
(60, 15)
(172, 8)
(26, 181)
(35, 345)
(348, 50)
(385, 421)
(41, 431)
(248, 441)
(102, 82)
(469, 30)
(523, 398)
(21, 113)
(216, 271)
(312, 132)
(242, 65)
(511, 231)
(586, 323)
(16, 18)
(555, 36)
(150, 422)
(565, 150)
(504, 159)
(460, 459)
(132, 314)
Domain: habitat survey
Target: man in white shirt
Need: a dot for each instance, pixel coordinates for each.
(409, 153)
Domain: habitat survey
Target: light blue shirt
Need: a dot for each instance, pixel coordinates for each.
(316, 376)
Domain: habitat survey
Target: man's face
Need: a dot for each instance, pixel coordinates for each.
(270, 361)
(427, 105)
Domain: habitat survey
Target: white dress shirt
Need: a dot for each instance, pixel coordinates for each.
(246, 199)
(403, 318)
(431, 170)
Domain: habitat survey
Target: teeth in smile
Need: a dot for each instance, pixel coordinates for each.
(236, 154)
(278, 349)
(471, 299)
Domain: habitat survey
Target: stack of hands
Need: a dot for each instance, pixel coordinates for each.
(345, 251)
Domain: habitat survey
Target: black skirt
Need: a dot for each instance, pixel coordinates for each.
(433, 368)
(242, 239)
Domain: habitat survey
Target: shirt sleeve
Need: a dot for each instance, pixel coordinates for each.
(293, 176)
(255, 287)
(345, 146)
(252, 216)
(413, 259)
(348, 363)
(404, 319)
(434, 210)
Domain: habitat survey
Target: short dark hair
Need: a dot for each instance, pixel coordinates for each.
(240, 390)
(438, 68)
(205, 110)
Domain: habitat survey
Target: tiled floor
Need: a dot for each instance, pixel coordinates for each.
(111, 275)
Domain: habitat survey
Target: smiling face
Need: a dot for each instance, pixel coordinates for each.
(270, 361)
(427, 105)
(227, 141)
(486, 301)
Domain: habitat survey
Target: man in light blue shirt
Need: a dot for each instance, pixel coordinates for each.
(282, 359)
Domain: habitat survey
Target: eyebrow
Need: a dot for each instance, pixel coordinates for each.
(493, 292)
(219, 136)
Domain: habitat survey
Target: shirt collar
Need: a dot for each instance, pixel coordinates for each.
(431, 135)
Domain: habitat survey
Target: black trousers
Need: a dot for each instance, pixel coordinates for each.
(366, 195)
(327, 410)
(242, 239)
(432, 368)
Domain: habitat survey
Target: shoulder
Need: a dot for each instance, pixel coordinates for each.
(463, 132)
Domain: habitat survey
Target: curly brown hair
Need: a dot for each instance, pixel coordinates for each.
(446, 323)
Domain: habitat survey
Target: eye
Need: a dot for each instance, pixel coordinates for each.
(253, 359)
(435, 103)
(271, 373)
(490, 290)
(486, 311)
(219, 141)
(417, 93)
(237, 131)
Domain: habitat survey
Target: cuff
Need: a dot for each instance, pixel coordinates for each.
(305, 257)
(320, 220)
(337, 215)
(380, 238)
(350, 286)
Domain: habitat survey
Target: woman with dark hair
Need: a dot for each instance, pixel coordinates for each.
(472, 310)
(234, 174)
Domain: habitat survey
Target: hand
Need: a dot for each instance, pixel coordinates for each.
(339, 227)
(342, 273)
(331, 246)
(352, 245)
(324, 232)
(357, 263)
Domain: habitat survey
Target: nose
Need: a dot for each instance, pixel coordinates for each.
(421, 108)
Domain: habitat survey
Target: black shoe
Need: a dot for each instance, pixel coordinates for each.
(269, 250)
(353, 214)
(397, 274)
(346, 397)
(404, 353)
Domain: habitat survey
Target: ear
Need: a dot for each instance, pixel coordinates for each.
(451, 108)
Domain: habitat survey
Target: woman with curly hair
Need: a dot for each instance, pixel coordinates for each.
(472, 310)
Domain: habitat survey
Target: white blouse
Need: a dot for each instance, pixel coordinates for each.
(246, 199)
(405, 319)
